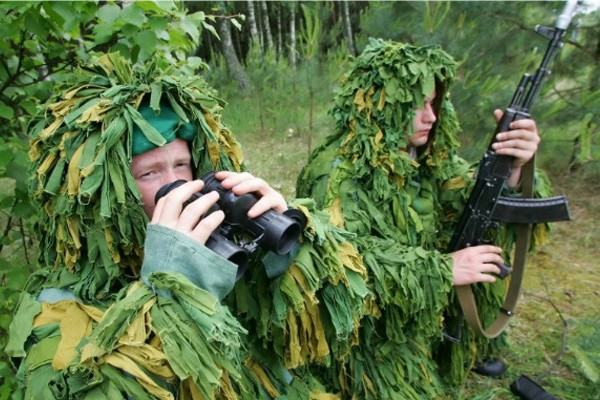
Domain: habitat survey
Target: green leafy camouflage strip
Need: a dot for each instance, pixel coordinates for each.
(310, 314)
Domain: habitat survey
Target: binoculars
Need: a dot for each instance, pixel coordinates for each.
(239, 236)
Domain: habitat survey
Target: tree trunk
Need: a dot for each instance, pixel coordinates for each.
(348, 27)
(595, 78)
(293, 35)
(252, 22)
(233, 64)
(279, 31)
(266, 26)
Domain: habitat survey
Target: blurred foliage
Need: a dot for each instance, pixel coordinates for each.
(285, 115)
(42, 42)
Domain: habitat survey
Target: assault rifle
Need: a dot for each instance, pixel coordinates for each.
(486, 209)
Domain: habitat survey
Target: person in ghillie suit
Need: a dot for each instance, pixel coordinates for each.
(128, 303)
(391, 174)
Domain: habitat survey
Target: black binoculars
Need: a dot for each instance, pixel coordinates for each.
(239, 236)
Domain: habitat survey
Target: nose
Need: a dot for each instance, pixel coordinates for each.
(169, 176)
(428, 114)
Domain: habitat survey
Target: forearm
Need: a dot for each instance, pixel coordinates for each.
(167, 250)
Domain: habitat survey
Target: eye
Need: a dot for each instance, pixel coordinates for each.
(147, 174)
(183, 164)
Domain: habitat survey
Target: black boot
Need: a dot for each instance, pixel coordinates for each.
(491, 367)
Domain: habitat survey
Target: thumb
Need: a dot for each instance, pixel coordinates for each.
(498, 113)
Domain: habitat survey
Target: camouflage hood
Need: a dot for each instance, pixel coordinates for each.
(376, 103)
(92, 225)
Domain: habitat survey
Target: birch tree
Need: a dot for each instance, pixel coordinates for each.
(348, 27)
(266, 25)
(251, 18)
(292, 44)
(233, 64)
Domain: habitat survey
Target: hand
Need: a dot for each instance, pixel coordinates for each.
(242, 183)
(168, 212)
(521, 142)
(475, 264)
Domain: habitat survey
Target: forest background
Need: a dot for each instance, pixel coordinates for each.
(277, 65)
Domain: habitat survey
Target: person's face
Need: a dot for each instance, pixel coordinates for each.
(423, 122)
(155, 168)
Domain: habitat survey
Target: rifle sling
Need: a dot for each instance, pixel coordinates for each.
(465, 293)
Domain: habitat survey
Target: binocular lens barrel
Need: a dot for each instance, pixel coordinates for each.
(230, 251)
(277, 232)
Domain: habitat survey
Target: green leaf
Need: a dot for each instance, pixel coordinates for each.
(108, 13)
(211, 29)
(6, 156)
(23, 209)
(132, 14)
(191, 29)
(5, 111)
(163, 34)
(7, 188)
(158, 23)
(103, 32)
(146, 40)
(236, 24)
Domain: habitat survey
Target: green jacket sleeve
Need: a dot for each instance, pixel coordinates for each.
(167, 250)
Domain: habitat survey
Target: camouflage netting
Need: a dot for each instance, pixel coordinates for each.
(403, 212)
(104, 334)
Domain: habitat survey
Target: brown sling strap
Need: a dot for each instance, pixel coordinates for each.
(465, 293)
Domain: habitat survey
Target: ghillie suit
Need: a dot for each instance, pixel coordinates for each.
(403, 210)
(87, 327)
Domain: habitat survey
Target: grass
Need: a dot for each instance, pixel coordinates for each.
(556, 329)
(557, 314)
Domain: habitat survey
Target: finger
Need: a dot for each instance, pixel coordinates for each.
(491, 258)
(195, 211)
(273, 200)
(498, 113)
(526, 124)
(488, 248)
(207, 226)
(157, 210)
(490, 268)
(521, 155)
(518, 144)
(232, 179)
(486, 278)
(520, 134)
(173, 202)
(220, 175)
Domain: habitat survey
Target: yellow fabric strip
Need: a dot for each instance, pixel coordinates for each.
(118, 360)
(74, 324)
(262, 377)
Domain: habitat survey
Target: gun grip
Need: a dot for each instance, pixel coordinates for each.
(505, 270)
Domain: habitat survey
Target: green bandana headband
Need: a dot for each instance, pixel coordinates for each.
(166, 122)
